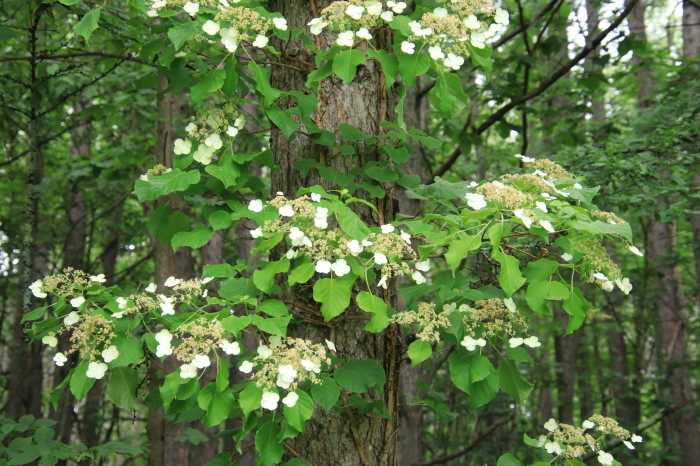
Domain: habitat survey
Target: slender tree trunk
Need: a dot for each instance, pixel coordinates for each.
(345, 437)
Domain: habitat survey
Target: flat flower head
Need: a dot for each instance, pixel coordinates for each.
(211, 27)
(256, 205)
(110, 353)
(71, 319)
(96, 370)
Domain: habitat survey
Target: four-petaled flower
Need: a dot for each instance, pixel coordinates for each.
(551, 425)
(110, 353)
(96, 370)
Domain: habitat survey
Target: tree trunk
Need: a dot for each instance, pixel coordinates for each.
(344, 437)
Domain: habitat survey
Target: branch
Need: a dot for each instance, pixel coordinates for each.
(542, 87)
(78, 54)
(472, 445)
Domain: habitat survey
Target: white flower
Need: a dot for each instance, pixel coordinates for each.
(364, 33)
(449, 307)
(188, 371)
(286, 211)
(110, 353)
(96, 370)
(532, 342)
(541, 174)
(577, 186)
(380, 258)
(201, 361)
(637, 438)
(296, 236)
(541, 205)
(230, 347)
(214, 141)
(260, 41)
(355, 11)
(567, 257)
(330, 345)
(321, 223)
(151, 288)
(280, 23)
(464, 308)
(605, 458)
(551, 425)
(408, 47)
(440, 12)
(100, 278)
(290, 400)
(256, 205)
(316, 26)
(36, 289)
(77, 301)
(387, 16)
(232, 131)
(628, 444)
(436, 52)
(191, 7)
(471, 22)
(171, 282)
(470, 344)
(423, 266)
(501, 16)
(520, 213)
(346, 38)
(510, 304)
(406, 237)
(387, 228)
(547, 225)
(264, 351)
(454, 61)
(355, 247)
(166, 305)
(246, 367)
(321, 212)
(397, 7)
(515, 342)
(60, 359)
(418, 277)
(478, 40)
(229, 37)
(287, 370)
(150, 14)
(211, 27)
(548, 196)
(600, 276)
(50, 340)
(624, 285)
(475, 201)
(291, 254)
(635, 250)
(71, 318)
(122, 303)
(323, 266)
(588, 425)
(525, 158)
(315, 197)
(553, 447)
(275, 341)
(164, 336)
(257, 233)
(382, 282)
(269, 400)
(607, 285)
(191, 128)
(203, 154)
(340, 267)
(164, 350)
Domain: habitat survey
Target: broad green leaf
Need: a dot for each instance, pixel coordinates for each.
(419, 351)
(250, 398)
(519, 354)
(390, 65)
(219, 271)
(56, 392)
(210, 82)
(301, 412)
(467, 367)
(217, 404)
(302, 273)
(262, 83)
(283, 121)
(508, 460)
(87, 24)
(130, 351)
(182, 33)
(334, 294)
(273, 307)
(220, 219)
(374, 304)
(513, 383)
(350, 223)
(357, 376)
(413, 65)
(121, 388)
(237, 288)
(576, 306)
(222, 379)
(273, 325)
(382, 174)
(537, 292)
(483, 391)
(460, 248)
(156, 186)
(194, 239)
(510, 277)
(235, 324)
(225, 170)
(351, 133)
(541, 269)
(270, 449)
(231, 81)
(79, 382)
(265, 278)
(327, 393)
(482, 57)
(9, 33)
(345, 64)
(164, 223)
(37, 313)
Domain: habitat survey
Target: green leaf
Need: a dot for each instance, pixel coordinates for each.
(419, 351)
(79, 382)
(459, 249)
(221, 376)
(130, 351)
(537, 292)
(327, 393)
(467, 367)
(217, 404)
(88, 24)
(235, 324)
(481, 57)
(301, 273)
(413, 65)
(351, 133)
(182, 33)
(513, 383)
(262, 83)
(510, 277)
(220, 219)
(219, 271)
(194, 239)
(345, 64)
(275, 326)
(520, 355)
(210, 82)
(283, 121)
(156, 186)
(541, 269)
(9, 33)
(56, 392)
(576, 306)
(382, 174)
(236, 288)
(374, 304)
(250, 398)
(350, 223)
(334, 294)
(265, 278)
(121, 388)
(390, 65)
(231, 81)
(484, 391)
(270, 449)
(164, 223)
(357, 376)
(37, 313)
(508, 460)
(225, 171)
(301, 412)
(273, 307)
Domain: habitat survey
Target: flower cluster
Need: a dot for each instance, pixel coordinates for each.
(426, 319)
(570, 441)
(91, 337)
(209, 126)
(285, 364)
(490, 317)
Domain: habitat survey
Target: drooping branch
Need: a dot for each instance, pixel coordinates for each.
(558, 74)
(43, 57)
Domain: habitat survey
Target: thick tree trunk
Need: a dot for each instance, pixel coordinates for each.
(345, 437)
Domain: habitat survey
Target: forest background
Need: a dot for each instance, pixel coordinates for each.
(87, 111)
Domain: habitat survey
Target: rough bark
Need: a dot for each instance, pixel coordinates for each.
(345, 437)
